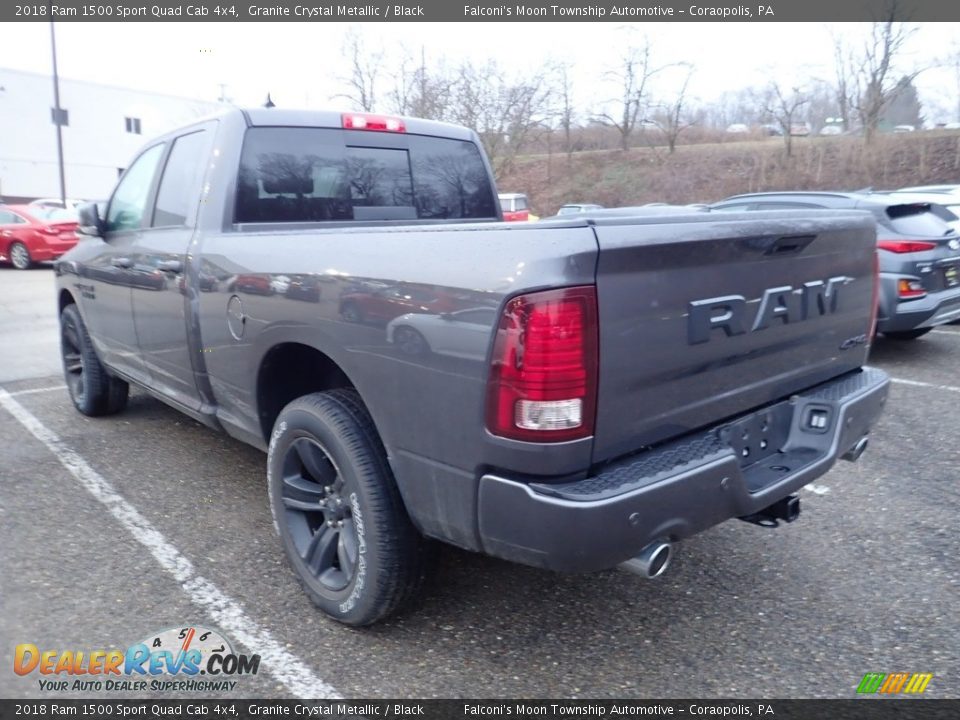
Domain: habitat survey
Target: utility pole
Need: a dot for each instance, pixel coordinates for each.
(57, 111)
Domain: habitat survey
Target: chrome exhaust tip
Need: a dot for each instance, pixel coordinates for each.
(652, 561)
(854, 453)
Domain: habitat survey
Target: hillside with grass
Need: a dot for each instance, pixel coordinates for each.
(709, 172)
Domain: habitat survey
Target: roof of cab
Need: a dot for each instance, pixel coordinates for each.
(277, 117)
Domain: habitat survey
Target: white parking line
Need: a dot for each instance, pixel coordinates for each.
(917, 383)
(229, 615)
(37, 390)
(945, 332)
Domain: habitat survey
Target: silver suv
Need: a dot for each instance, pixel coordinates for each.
(919, 254)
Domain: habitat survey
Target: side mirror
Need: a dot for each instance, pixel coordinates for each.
(90, 222)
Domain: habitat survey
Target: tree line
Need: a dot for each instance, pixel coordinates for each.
(649, 103)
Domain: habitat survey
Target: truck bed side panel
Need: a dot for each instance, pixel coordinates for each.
(346, 292)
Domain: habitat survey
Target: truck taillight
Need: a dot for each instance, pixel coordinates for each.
(906, 246)
(366, 121)
(543, 379)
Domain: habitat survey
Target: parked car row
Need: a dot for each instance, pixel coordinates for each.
(36, 232)
(918, 243)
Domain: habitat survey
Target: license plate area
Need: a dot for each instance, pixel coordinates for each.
(759, 435)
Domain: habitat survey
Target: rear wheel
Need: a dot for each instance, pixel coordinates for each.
(93, 391)
(20, 256)
(908, 334)
(338, 511)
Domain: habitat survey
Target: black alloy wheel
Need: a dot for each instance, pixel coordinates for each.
(338, 510)
(316, 501)
(92, 389)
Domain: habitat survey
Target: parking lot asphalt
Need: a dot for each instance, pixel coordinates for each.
(113, 529)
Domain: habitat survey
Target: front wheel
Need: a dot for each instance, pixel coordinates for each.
(907, 334)
(93, 391)
(338, 511)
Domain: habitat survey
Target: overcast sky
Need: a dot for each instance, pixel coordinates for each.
(300, 63)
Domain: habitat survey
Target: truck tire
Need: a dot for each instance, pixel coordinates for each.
(92, 389)
(338, 511)
(908, 334)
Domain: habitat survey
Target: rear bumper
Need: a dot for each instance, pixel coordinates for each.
(937, 308)
(679, 489)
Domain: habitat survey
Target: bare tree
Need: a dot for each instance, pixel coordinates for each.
(632, 77)
(784, 106)
(506, 115)
(565, 108)
(365, 67)
(954, 63)
(823, 103)
(844, 77)
(674, 117)
(737, 106)
(876, 81)
(421, 90)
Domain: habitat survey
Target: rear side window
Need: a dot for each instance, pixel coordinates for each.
(310, 175)
(178, 185)
(9, 218)
(916, 220)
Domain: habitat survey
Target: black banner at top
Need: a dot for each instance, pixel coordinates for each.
(616, 11)
(487, 709)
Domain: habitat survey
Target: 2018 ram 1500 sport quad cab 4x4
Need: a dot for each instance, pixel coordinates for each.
(574, 395)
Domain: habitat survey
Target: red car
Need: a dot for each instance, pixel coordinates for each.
(30, 234)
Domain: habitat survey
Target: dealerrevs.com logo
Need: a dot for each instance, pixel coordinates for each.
(175, 660)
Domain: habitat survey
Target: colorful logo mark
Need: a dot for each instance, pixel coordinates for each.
(188, 651)
(894, 683)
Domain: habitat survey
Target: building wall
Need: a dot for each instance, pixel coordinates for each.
(96, 143)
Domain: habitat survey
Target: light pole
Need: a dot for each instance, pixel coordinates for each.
(57, 112)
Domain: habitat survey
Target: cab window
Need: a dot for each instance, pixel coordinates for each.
(129, 201)
(320, 174)
(179, 184)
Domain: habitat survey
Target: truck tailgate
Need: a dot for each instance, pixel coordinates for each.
(704, 317)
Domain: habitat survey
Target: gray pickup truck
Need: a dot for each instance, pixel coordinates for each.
(340, 291)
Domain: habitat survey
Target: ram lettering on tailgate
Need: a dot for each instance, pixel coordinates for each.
(785, 303)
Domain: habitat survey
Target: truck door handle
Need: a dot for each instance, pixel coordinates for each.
(121, 262)
(173, 266)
